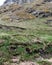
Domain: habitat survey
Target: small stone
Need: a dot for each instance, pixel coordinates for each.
(15, 60)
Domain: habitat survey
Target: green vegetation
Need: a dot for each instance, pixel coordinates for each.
(26, 33)
(23, 42)
(45, 63)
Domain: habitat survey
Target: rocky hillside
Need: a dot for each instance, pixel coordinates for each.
(18, 1)
(24, 1)
(26, 11)
(26, 33)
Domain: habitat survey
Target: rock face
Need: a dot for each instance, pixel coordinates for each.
(7, 2)
(17, 1)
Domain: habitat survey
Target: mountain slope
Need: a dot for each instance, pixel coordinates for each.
(26, 33)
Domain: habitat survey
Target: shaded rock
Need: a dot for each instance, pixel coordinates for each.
(41, 13)
(30, 10)
(12, 47)
(49, 22)
(29, 51)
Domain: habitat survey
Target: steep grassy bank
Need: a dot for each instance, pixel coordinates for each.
(27, 39)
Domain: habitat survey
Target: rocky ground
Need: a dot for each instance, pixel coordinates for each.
(26, 34)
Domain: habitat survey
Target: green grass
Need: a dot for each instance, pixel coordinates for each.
(35, 28)
(45, 63)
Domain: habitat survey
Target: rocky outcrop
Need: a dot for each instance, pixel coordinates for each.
(17, 1)
(38, 13)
